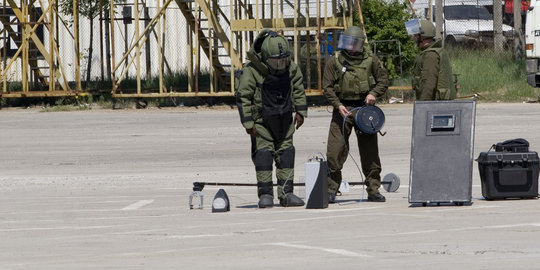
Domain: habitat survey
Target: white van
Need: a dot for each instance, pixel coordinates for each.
(532, 44)
(471, 25)
(467, 22)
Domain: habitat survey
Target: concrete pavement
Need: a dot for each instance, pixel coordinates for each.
(104, 189)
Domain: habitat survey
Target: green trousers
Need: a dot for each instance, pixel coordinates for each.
(264, 152)
(337, 152)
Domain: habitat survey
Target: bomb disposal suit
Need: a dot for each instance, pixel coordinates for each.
(353, 77)
(432, 74)
(269, 93)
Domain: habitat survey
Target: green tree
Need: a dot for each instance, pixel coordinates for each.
(385, 20)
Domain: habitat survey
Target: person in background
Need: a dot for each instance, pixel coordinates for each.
(432, 77)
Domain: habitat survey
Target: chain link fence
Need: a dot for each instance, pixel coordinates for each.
(465, 23)
(470, 24)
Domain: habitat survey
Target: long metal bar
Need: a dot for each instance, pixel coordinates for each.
(197, 45)
(231, 34)
(137, 46)
(4, 49)
(309, 92)
(102, 68)
(199, 186)
(189, 52)
(317, 38)
(308, 49)
(77, 50)
(211, 32)
(52, 71)
(24, 46)
(295, 35)
(160, 52)
(113, 62)
(42, 94)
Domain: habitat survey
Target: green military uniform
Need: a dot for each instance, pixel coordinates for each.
(432, 74)
(273, 140)
(347, 80)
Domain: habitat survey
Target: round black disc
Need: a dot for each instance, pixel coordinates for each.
(370, 119)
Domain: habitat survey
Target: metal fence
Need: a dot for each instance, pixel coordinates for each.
(172, 51)
(474, 23)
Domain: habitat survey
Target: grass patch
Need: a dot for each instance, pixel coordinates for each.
(66, 104)
(496, 77)
(177, 81)
(66, 108)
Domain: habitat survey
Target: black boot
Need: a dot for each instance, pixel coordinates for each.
(266, 201)
(376, 197)
(290, 200)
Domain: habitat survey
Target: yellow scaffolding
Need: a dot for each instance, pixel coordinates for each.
(224, 49)
(41, 69)
(219, 34)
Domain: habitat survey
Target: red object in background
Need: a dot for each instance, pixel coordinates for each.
(509, 6)
(525, 5)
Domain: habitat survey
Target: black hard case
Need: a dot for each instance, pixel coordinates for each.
(508, 175)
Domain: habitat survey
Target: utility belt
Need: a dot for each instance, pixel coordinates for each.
(353, 103)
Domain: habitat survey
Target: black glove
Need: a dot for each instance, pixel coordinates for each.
(298, 120)
(251, 131)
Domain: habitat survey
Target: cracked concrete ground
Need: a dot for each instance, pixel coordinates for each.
(104, 189)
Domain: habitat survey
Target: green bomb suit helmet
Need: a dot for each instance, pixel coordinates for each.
(275, 53)
(352, 39)
(425, 28)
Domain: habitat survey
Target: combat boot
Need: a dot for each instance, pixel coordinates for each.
(376, 197)
(290, 200)
(266, 201)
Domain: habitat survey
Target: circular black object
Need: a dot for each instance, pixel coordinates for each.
(369, 119)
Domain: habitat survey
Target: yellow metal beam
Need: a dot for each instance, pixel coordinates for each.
(30, 33)
(41, 94)
(205, 7)
(140, 39)
(39, 45)
(309, 92)
(200, 42)
(287, 24)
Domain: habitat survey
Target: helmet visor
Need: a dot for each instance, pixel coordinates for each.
(413, 27)
(279, 62)
(350, 43)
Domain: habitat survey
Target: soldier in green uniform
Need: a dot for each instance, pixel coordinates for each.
(432, 74)
(353, 77)
(271, 101)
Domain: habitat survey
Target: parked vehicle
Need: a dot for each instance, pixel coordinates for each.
(472, 25)
(467, 23)
(532, 44)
